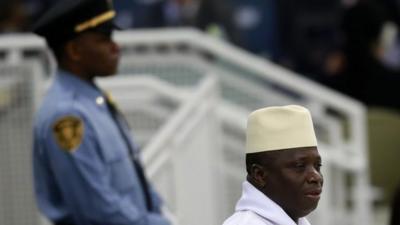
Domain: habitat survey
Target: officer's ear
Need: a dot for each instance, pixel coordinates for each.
(72, 50)
(258, 175)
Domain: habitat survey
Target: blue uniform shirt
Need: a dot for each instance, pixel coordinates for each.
(93, 180)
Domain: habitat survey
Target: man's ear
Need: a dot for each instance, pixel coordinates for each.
(72, 51)
(258, 175)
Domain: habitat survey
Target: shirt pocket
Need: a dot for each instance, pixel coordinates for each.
(123, 175)
(118, 162)
(115, 151)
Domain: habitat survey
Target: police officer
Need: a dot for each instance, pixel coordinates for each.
(284, 181)
(86, 167)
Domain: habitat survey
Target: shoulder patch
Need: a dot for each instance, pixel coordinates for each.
(68, 132)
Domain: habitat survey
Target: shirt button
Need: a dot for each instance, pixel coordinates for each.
(100, 100)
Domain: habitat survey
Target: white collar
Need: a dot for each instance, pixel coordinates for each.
(254, 200)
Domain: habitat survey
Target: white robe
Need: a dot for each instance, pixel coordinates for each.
(254, 208)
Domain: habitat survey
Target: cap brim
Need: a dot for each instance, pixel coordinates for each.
(106, 27)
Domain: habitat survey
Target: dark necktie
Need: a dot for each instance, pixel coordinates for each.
(121, 121)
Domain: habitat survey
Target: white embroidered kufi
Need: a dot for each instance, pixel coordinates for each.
(279, 128)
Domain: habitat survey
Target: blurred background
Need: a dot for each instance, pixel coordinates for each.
(191, 71)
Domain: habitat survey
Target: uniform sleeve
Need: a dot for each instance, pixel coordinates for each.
(84, 177)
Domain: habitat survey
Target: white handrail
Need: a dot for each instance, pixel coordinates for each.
(162, 136)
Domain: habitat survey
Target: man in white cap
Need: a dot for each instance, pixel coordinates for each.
(284, 181)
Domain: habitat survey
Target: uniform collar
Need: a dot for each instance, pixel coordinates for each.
(254, 200)
(78, 85)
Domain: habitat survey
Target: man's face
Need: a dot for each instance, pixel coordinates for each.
(294, 180)
(99, 54)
